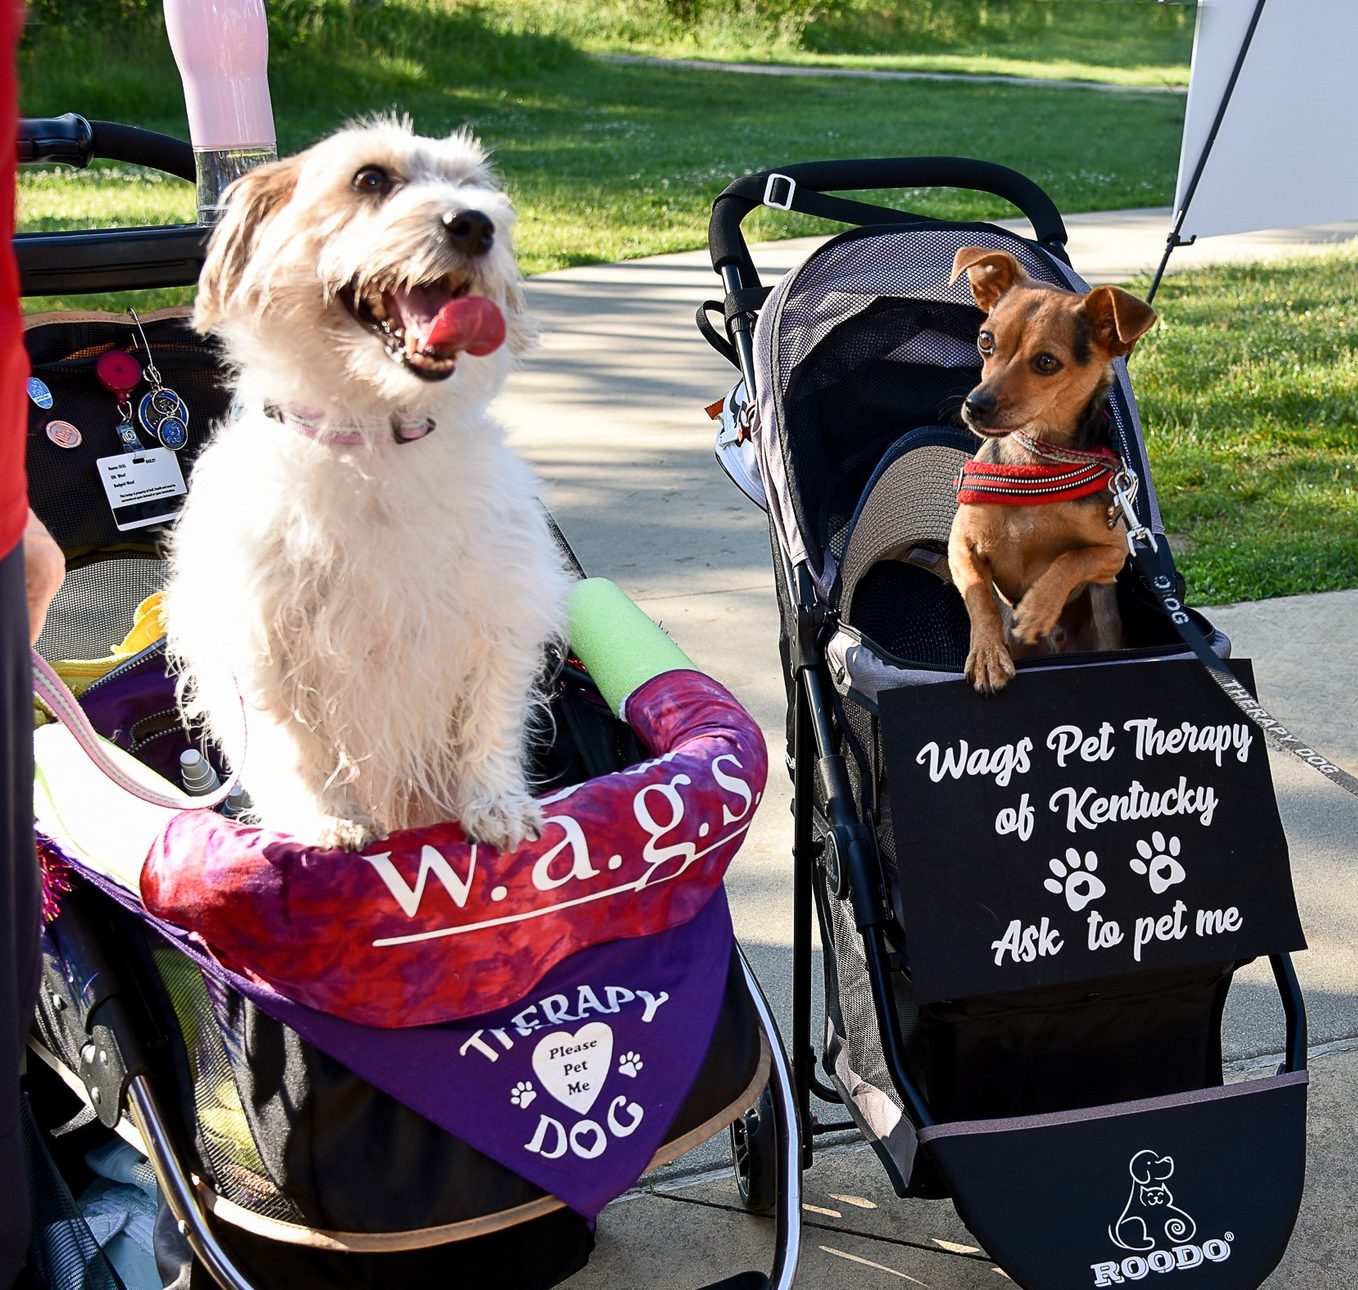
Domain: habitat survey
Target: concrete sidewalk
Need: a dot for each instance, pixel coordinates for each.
(610, 412)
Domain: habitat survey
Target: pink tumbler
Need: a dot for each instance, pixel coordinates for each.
(222, 48)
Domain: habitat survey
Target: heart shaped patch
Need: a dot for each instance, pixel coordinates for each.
(573, 1067)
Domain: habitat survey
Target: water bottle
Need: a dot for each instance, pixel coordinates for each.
(237, 803)
(196, 774)
(222, 48)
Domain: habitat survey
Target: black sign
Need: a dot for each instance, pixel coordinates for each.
(1086, 822)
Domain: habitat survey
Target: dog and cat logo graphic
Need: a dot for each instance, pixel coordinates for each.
(1157, 1233)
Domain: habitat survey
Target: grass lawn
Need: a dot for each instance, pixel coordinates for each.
(1248, 389)
(606, 162)
(1116, 42)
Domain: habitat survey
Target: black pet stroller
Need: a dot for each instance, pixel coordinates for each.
(1029, 908)
(276, 1165)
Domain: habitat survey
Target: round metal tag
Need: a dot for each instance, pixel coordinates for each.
(64, 434)
(172, 433)
(39, 393)
(158, 404)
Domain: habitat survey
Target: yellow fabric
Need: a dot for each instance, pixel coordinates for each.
(148, 626)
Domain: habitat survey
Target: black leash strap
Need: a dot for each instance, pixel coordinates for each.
(1158, 575)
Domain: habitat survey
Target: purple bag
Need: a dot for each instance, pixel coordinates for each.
(134, 707)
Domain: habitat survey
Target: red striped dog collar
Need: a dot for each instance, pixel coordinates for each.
(1066, 476)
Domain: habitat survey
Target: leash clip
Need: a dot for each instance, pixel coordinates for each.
(1125, 486)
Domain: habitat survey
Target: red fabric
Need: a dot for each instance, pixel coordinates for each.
(13, 359)
(422, 927)
(983, 484)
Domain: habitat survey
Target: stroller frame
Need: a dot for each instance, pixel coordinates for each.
(115, 1077)
(843, 849)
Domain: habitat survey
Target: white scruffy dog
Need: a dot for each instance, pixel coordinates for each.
(361, 558)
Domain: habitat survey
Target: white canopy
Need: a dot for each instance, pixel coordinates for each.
(1283, 155)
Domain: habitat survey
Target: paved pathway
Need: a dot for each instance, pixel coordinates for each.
(884, 74)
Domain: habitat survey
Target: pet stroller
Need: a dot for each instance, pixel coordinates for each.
(313, 1050)
(1030, 915)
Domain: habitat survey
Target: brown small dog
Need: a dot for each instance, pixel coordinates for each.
(1041, 408)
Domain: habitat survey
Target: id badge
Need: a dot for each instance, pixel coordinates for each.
(143, 488)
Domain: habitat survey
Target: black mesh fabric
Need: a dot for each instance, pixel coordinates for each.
(63, 1254)
(95, 607)
(225, 1144)
(856, 399)
(935, 629)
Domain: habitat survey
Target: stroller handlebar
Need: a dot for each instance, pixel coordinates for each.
(72, 140)
(106, 259)
(802, 187)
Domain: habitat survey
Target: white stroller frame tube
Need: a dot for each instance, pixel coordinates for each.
(175, 1186)
(787, 1217)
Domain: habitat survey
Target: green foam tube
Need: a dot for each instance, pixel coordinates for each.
(618, 644)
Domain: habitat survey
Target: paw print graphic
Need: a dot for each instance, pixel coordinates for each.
(1075, 879)
(1158, 862)
(630, 1064)
(522, 1094)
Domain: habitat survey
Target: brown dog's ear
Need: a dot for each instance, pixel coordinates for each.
(1118, 318)
(990, 273)
(250, 200)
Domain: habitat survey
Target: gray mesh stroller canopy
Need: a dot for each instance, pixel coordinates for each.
(864, 341)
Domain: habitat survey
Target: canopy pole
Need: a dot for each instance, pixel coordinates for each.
(1174, 239)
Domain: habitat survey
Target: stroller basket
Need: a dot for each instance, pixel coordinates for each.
(1016, 1015)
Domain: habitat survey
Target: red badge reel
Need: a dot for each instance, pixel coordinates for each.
(120, 373)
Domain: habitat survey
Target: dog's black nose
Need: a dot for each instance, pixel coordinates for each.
(470, 231)
(979, 403)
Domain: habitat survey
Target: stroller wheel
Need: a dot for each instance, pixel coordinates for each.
(754, 1155)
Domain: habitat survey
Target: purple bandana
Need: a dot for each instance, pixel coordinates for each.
(575, 1086)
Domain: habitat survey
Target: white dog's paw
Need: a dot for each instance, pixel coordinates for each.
(503, 824)
(335, 833)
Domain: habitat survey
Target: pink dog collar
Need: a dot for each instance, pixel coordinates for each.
(308, 422)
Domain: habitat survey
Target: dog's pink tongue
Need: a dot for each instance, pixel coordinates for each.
(471, 323)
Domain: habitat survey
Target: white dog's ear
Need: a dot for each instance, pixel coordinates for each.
(250, 201)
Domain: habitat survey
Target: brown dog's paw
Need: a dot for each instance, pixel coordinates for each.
(989, 668)
(1034, 620)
